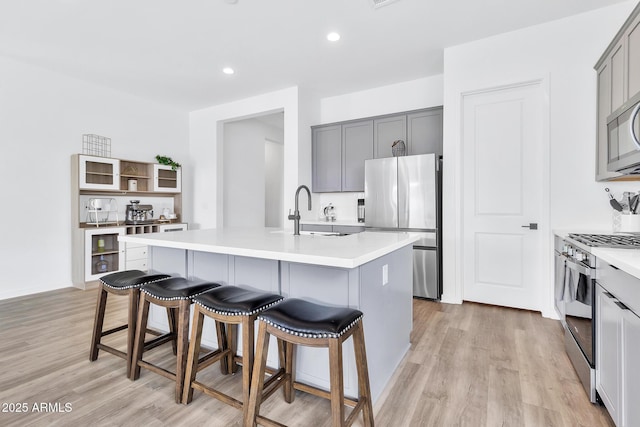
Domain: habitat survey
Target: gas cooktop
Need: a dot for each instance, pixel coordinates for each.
(623, 241)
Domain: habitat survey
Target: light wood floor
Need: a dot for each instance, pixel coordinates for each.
(469, 365)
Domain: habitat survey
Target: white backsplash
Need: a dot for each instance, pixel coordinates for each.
(345, 204)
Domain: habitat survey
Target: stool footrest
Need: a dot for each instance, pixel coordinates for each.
(114, 330)
(113, 351)
(263, 421)
(225, 398)
(354, 413)
(322, 393)
(158, 370)
(155, 342)
(211, 358)
(273, 383)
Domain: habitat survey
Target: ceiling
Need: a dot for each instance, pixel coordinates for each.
(173, 51)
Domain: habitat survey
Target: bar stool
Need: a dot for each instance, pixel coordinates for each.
(174, 293)
(297, 321)
(121, 283)
(231, 306)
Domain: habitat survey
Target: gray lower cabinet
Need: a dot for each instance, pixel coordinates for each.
(424, 132)
(618, 344)
(386, 130)
(631, 377)
(608, 344)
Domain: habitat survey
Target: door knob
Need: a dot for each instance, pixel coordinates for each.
(531, 226)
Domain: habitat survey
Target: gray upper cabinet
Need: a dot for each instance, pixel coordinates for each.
(327, 158)
(387, 130)
(339, 150)
(424, 132)
(357, 147)
(618, 77)
(604, 109)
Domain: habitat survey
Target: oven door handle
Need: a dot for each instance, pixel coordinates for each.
(577, 267)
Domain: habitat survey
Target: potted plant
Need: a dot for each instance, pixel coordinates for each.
(163, 160)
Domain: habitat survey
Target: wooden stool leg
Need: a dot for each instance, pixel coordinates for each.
(193, 356)
(141, 329)
(232, 340)
(223, 344)
(336, 382)
(290, 376)
(98, 322)
(171, 318)
(251, 409)
(134, 297)
(363, 374)
(183, 343)
(248, 333)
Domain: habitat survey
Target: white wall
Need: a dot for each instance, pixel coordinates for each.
(411, 95)
(43, 116)
(564, 53)
(273, 184)
(245, 172)
(206, 141)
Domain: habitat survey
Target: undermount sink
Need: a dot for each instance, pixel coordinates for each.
(312, 233)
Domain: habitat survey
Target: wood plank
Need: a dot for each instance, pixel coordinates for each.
(469, 365)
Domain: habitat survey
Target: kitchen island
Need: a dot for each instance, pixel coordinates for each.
(369, 271)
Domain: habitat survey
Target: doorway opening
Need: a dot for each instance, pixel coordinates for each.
(253, 171)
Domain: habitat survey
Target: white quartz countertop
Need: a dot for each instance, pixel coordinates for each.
(335, 251)
(627, 260)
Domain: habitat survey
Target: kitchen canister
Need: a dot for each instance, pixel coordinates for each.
(133, 185)
(629, 223)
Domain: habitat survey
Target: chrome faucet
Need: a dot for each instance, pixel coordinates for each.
(296, 213)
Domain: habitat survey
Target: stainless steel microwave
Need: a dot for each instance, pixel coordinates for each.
(623, 138)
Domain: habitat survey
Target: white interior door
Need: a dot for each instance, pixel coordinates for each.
(503, 163)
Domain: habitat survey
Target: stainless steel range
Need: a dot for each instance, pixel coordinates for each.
(575, 268)
(622, 241)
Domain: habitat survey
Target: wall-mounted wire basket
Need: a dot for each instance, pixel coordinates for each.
(96, 145)
(398, 148)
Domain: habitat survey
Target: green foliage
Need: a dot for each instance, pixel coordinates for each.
(163, 160)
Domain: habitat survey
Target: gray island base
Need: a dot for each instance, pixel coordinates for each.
(369, 271)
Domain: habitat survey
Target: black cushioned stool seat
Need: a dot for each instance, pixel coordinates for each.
(175, 294)
(300, 322)
(228, 306)
(120, 283)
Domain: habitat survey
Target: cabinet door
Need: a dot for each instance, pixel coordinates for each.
(617, 77)
(608, 357)
(630, 371)
(327, 159)
(166, 179)
(632, 42)
(604, 109)
(385, 132)
(357, 146)
(103, 253)
(424, 132)
(98, 173)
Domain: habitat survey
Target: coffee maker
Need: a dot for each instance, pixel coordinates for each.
(139, 214)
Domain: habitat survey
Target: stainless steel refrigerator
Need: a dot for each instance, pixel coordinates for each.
(403, 194)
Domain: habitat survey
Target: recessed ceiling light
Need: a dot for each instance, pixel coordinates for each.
(228, 70)
(333, 37)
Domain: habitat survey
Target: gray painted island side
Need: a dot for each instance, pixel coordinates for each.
(379, 284)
